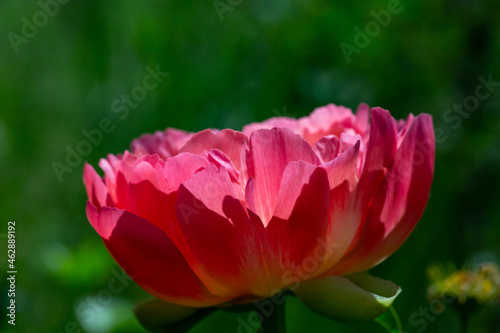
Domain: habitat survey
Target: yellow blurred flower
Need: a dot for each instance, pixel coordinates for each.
(481, 284)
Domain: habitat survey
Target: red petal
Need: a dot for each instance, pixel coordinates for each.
(149, 257)
(147, 189)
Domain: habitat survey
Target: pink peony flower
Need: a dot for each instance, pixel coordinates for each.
(202, 219)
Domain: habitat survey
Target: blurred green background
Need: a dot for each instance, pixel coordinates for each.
(256, 60)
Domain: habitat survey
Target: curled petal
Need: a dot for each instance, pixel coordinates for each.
(166, 144)
(343, 167)
(327, 148)
(227, 141)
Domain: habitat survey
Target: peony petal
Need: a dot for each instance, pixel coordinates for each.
(299, 221)
(344, 218)
(221, 242)
(343, 167)
(141, 189)
(379, 155)
(400, 200)
(269, 153)
(359, 297)
(285, 122)
(349, 208)
(181, 167)
(326, 120)
(147, 188)
(327, 148)
(149, 257)
(348, 139)
(361, 124)
(166, 144)
(219, 159)
(96, 190)
(227, 141)
(383, 140)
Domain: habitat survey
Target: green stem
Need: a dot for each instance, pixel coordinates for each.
(397, 322)
(276, 321)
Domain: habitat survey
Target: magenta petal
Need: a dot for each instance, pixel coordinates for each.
(165, 144)
(383, 140)
(96, 190)
(149, 257)
(219, 159)
(399, 202)
(343, 167)
(181, 167)
(227, 141)
(326, 120)
(362, 118)
(407, 184)
(327, 148)
(285, 122)
(269, 153)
